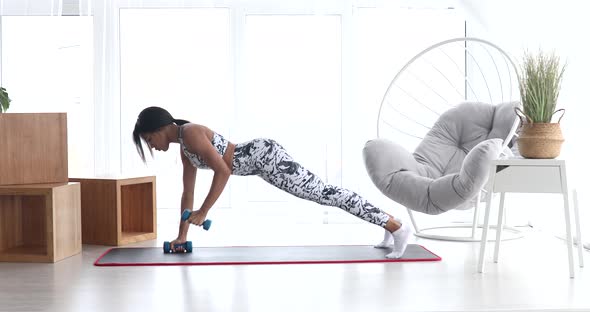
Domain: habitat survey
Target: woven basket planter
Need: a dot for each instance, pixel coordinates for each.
(539, 140)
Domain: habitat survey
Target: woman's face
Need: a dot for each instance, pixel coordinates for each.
(157, 140)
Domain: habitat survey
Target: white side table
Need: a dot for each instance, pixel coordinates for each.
(521, 175)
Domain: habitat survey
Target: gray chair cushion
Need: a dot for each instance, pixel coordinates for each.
(450, 166)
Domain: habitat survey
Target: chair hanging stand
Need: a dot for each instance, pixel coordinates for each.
(430, 232)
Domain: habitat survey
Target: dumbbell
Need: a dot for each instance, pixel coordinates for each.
(188, 245)
(187, 213)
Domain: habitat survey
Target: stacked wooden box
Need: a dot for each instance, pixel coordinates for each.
(40, 214)
(117, 210)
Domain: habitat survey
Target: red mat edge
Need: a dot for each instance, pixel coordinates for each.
(438, 258)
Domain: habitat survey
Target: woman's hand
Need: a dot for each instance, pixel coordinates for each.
(197, 217)
(176, 245)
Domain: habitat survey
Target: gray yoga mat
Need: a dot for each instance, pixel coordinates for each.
(260, 255)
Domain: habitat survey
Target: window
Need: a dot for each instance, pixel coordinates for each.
(178, 59)
(312, 82)
(292, 94)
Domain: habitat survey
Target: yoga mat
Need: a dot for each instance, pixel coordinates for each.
(136, 256)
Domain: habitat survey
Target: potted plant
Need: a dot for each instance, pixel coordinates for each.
(4, 100)
(540, 82)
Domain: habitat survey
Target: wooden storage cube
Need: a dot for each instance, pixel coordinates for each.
(34, 148)
(118, 210)
(39, 222)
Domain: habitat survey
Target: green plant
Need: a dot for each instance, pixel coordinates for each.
(4, 100)
(540, 83)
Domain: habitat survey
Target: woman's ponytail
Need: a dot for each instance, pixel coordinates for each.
(180, 122)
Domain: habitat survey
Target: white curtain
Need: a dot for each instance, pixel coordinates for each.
(47, 66)
(102, 101)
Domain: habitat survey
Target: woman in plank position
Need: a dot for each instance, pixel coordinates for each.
(200, 147)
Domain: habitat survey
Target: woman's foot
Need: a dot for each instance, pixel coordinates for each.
(387, 240)
(400, 241)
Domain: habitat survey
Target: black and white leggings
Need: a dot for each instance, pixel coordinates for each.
(269, 160)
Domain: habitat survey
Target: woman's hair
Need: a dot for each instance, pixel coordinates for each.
(150, 120)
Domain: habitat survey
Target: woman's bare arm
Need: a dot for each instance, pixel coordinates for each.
(189, 175)
(197, 139)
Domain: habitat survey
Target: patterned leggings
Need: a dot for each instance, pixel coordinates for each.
(269, 160)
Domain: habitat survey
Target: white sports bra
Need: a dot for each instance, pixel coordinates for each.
(218, 141)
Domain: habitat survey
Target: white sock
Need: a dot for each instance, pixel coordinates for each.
(387, 240)
(400, 241)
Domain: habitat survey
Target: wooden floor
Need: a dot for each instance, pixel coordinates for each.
(532, 275)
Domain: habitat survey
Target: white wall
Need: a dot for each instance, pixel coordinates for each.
(551, 26)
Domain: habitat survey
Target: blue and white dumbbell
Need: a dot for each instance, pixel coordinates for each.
(187, 213)
(188, 245)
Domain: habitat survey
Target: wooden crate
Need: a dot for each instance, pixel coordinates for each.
(40, 222)
(33, 148)
(118, 210)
